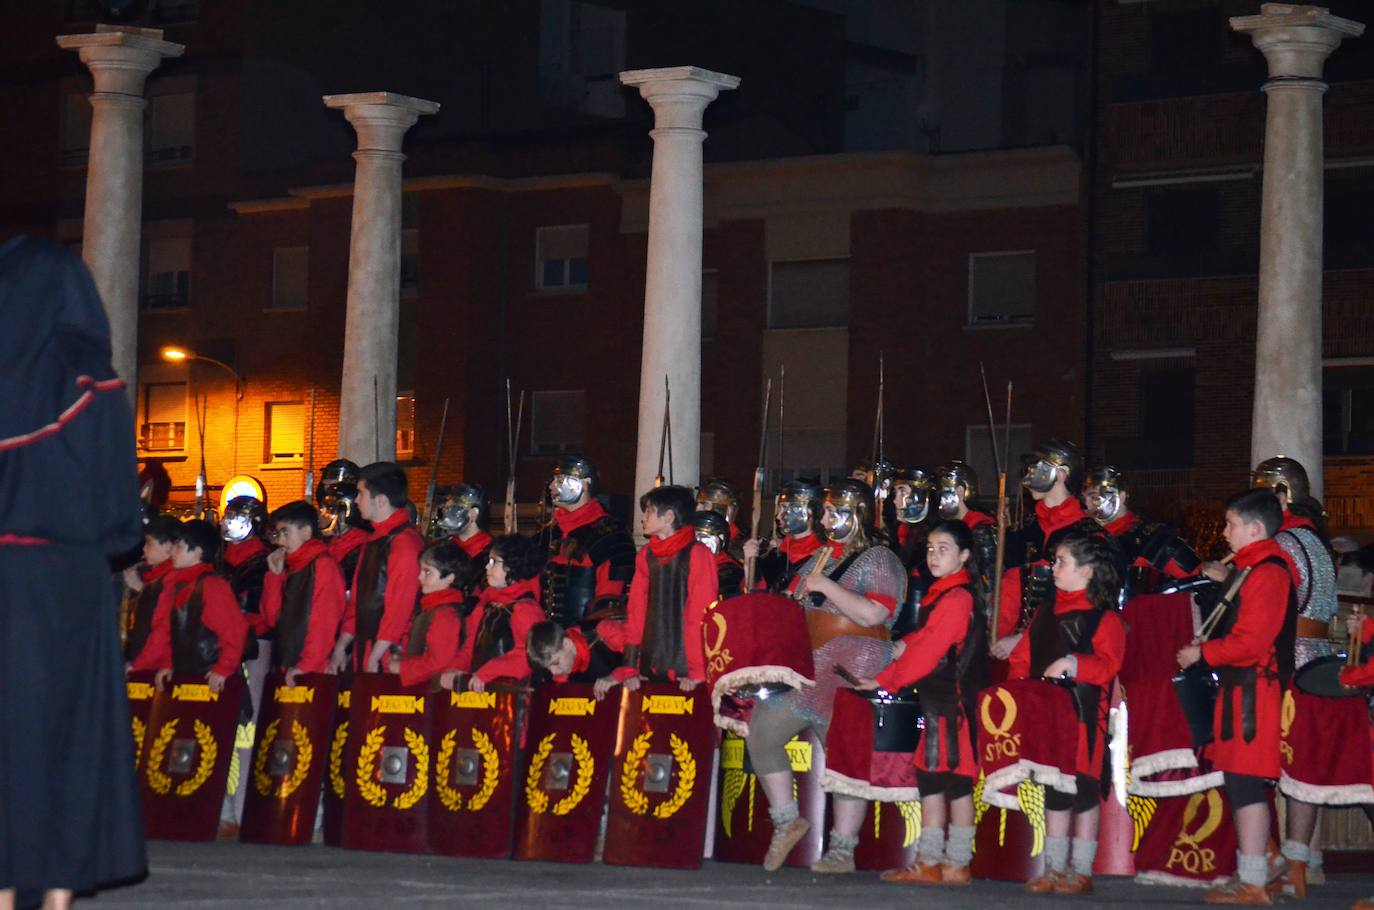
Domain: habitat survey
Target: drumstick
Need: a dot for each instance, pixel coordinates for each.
(1214, 618)
(816, 568)
(848, 677)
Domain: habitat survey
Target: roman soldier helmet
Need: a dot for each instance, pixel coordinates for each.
(955, 478)
(852, 501)
(719, 495)
(917, 504)
(798, 506)
(451, 513)
(1102, 490)
(1282, 475)
(711, 528)
(341, 470)
(243, 518)
(572, 474)
(1045, 461)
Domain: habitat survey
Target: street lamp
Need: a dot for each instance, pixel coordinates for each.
(177, 354)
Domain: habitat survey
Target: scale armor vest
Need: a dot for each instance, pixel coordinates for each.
(195, 648)
(570, 590)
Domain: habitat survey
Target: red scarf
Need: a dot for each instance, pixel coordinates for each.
(304, 554)
(439, 598)
(1291, 521)
(1071, 601)
(797, 549)
(1257, 552)
(346, 543)
(976, 520)
(238, 553)
(475, 544)
(157, 572)
(393, 521)
(579, 517)
(526, 589)
(952, 580)
(1123, 525)
(183, 581)
(672, 544)
(583, 658)
(1052, 518)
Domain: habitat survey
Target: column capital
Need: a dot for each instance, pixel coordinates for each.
(1295, 38)
(678, 94)
(381, 118)
(120, 57)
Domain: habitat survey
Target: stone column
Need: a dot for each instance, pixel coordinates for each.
(1296, 41)
(120, 59)
(367, 405)
(672, 285)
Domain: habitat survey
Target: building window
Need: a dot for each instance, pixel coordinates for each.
(1348, 411)
(164, 417)
(168, 273)
(557, 422)
(1348, 235)
(1164, 431)
(285, 431)
(808, 294)
(561, 257)
(405, 425)
(978, 451)
(171, 129)
(1001, 288)
(76, 128)
(1183, 222)
(709, 308)
(290, 274)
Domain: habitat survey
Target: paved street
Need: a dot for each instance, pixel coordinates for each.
(235, 875)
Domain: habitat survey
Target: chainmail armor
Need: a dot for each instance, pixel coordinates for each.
(1316, 590)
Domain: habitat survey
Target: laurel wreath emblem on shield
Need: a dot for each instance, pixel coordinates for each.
(418, 787)
(304, 753)
(373, 793)
(336, 778)
(535, 796)
(635, 799)
(139, 729)
(159, 781)
(205, 738)
(450, 797)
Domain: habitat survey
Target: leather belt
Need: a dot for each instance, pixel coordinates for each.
(824, 626)
(1311, 628)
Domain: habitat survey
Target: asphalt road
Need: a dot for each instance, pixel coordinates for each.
(243, 876)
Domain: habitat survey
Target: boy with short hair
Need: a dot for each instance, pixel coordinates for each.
(675, 581)
(569, 656)
(146, 580)
(302, 593)
(198, 627)
(386, 586)
(431, 642)
(1248, 652)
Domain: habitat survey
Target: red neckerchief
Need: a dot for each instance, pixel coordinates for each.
(903, 533)
(393, 521)
(735, 533)
(1061, 516)
(1123, 525)
(439, 598)
(797, 550)
(977, 519)
(579, 517)
(1257, 552)
(238, 553)
(952, 580)
(347, 542)
(673, 543)
(1070, 601)
(583, 658)
(474, 545)
(158, 572)
(526, 589)
(1291, 521)
(184, 581)
(723, 558)
(304, 554)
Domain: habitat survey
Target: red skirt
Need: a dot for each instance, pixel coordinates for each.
(968, 764)
(1323, 749)
(1230, 752)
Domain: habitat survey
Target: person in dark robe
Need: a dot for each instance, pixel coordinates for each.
(69, 813)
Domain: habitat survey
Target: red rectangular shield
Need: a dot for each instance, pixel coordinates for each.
(387, 780)
(186, 756)
(334, 785)
(476, 738)
(139, 685)
(661, 780)
(570, 749)
(743, 828)
(290, 754)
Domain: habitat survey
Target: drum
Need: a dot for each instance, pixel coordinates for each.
(1322, 676)
(869, 745)
(756, 644)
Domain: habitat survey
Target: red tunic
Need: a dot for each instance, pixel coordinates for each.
(441, 639)
(525, 615)
(1050, 519)
(1097, 667)
(326, 603)
(580, 517)
(946, 628)
(702, 590)
(1250, 643)
(153, 575)
(402, 579)
(220, 614)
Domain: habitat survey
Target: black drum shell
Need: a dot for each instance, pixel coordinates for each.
(896, 720)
